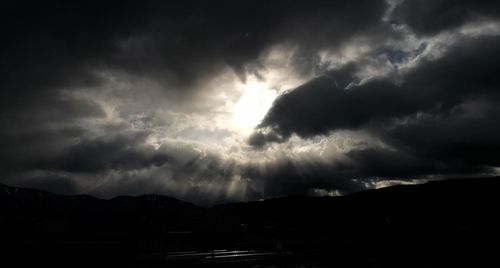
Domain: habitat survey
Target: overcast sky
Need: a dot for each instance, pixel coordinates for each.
(220, 101)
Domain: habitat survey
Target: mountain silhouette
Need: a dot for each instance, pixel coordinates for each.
(437, 224)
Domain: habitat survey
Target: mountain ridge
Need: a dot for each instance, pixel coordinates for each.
(14, 190)
(430, 222)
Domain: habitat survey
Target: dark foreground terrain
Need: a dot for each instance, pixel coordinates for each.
(439, 224)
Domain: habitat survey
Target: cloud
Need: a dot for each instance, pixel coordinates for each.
(60, 44)
(330, 102)
(467, 136)
(428, 17)
(320, 106)
(128, 97)
(54, 184)
(436, 118)
(120, 152)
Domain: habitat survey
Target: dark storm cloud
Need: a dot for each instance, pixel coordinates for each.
(326, 103)
(458, 137)
(93, 156)
(52, 49)
(259, 139)
(58, 43)
(58, 133)
(400, 164)
(320, 106)
(54, 184)
(54, 45)
(37, 128)
(432, 16)
(439, 119)
(356, 172)
(296, 177)
(363, 166)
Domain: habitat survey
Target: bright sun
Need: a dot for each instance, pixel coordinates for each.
(255, 101)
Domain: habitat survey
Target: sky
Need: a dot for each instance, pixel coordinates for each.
(224, 101)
